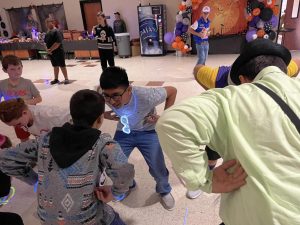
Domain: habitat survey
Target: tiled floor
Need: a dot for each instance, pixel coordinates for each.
(142, 206)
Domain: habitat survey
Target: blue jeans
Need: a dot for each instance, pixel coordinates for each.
(148, 144)
(117, 220)
(202, 52)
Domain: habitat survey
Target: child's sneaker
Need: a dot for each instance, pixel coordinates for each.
(193, 194)
(55, 81)
(119, 198)
(168, 201)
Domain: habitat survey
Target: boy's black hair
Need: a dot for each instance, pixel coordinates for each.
(86, 106)
(257, 64)
(114, 77)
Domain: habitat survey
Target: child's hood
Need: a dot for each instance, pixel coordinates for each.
(69, 143)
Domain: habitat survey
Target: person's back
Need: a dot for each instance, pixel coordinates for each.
(267, 144)
(70, 160)
(67, 183)
(243, 123)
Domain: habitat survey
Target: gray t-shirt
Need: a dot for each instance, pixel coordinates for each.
(25, 90)
(141, 105)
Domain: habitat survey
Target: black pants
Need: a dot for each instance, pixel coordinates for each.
(58, 58)
(211, 154)
(106, 55)
(7, 218)
(5, 184)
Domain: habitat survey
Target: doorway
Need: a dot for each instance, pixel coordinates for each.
(89, 10)
(289, 28)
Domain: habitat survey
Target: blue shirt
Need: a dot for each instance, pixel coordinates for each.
(141, 105)
(198, 26)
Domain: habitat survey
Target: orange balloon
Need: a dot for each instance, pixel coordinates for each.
(181, 45)
(270, 3)
(256, 11)
(182, 7)
(260, 33)
(276, 10)
(178, 39)
(174, 45)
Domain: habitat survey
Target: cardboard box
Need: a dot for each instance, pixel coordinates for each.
(135, 50)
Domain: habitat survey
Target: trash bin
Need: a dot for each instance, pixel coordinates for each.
(123, 43)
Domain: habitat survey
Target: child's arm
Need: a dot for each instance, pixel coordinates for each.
(171, 96)
(34, 100)
(36, 97)
(117, 167)
(18, 161)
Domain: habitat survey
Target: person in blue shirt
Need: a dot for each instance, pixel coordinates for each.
(200, 32)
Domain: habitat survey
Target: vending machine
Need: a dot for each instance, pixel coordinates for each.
(152, 28)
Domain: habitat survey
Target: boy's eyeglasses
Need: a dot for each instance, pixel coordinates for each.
(116, 97)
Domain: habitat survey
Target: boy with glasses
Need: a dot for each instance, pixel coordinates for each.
(134, 107)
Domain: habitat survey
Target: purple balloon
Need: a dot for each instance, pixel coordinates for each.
(169, 37)
(178, 32)
(249, 35)
(184, 28)
(254, 21)
(179, 25)
(274, 21)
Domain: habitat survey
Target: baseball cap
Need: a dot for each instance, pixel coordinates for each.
(206, 9)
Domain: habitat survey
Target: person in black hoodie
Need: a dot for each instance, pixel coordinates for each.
(5, 187)
(69, 160)
(105, 38)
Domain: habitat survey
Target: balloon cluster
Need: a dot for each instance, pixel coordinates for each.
(262, 16)
(178, 38)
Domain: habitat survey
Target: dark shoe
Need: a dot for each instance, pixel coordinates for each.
(55, 81)
(66, 82)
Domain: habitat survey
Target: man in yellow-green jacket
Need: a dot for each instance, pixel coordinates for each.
(243, 123)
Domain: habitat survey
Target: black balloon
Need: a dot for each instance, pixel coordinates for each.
(5, 33)
(272, 35)
(254, 4)
(3, 26)
(261, 5)
(266, 14)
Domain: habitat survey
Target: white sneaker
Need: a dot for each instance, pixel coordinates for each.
(193, 194)
(168, 201)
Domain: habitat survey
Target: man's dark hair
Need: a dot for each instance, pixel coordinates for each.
(10, 60)
(114, 77)
(257, 64)
(86, 106)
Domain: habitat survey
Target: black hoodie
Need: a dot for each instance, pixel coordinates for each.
(70, 142)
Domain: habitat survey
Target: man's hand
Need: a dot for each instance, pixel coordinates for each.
(49, 52)
(223, 181)
(104, 194)
(110, 115)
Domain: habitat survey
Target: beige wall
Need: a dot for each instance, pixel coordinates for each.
(127, 8)
(72, 9)
(128, 11)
